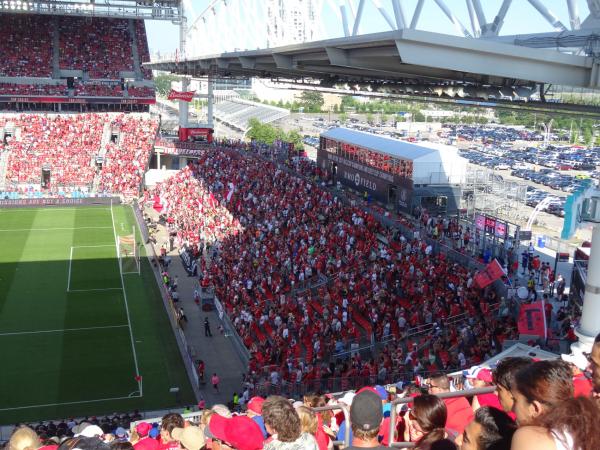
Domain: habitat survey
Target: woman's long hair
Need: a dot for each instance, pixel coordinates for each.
(579, 417)
(430, 413)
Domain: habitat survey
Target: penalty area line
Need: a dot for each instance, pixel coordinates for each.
(130, 396)
(96, 290)
(62, 330)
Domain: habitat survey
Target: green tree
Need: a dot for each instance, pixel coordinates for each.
(312, 100)
(588, 137)
(384, 118)
(370, 119)
(295, 138)
(336, 108)
(343, 117)
(162, 83)
(418, 117)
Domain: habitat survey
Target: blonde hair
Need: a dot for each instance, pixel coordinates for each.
(24, 438)
(205, 417)
(308, 419)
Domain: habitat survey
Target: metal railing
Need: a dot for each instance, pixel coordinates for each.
(402, 401)
(346, 442)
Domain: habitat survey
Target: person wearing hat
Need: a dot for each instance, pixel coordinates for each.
(254, 411)
(190, 437)
(234, 433)
(480, 377)
(146, 442)
(366, 416)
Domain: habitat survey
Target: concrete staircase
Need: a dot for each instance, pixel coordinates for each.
(55, 48)
(134, 48)
(3, 168)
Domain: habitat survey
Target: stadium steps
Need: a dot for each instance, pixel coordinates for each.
(3, 167)
(55, 49)
(134, 50)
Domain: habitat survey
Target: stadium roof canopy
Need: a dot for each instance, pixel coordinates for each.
(380, 144)
(411, 62)
(170, 10)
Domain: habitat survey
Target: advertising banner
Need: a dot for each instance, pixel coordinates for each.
(37, 202)
(185, 96)
(76, 100)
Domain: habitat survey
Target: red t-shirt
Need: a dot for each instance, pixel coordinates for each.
(582, 386)
(460, 414)
(146, 443)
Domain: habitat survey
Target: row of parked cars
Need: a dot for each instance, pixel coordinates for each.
(555, 205)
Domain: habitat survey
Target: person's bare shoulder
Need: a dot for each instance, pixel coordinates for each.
(532, 438)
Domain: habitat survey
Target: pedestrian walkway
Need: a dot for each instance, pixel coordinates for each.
(217, 351)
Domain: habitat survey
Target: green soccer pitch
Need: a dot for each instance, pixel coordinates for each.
(74, 332)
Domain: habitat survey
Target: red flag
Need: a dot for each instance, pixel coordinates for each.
(492, 272)
(185, 96)
(532, 319)
(138, 378)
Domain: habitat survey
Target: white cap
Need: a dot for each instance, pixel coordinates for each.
(577, 359)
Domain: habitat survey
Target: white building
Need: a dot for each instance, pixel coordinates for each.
(291, 22)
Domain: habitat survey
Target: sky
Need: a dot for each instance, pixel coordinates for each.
(522, 18)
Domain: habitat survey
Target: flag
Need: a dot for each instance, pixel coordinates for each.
(532, 319)
(492, 272)
(184, 96)
(138, 378)
(230, 193)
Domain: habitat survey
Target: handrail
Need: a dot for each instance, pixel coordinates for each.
(346, 411)
(401, 401)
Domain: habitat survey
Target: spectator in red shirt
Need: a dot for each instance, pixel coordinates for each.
(480, 377)
(460, 412)
(145, 442)
(581, 384)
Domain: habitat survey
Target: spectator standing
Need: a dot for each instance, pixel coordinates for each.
(366, 416)
(215, 382)
(254, 411)
(190, 437)
(283, 424)
(459, 410)
(425, 423)
(168, 423)
(491, 429)
(504, 379)
(146, 442)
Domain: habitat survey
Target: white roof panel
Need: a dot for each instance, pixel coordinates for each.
(381, 144)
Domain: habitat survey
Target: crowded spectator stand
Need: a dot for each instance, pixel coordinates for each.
(273, 291)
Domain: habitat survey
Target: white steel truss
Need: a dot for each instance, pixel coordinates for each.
(238, 25)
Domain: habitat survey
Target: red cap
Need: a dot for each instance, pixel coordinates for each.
(255, 405)
(367, 388)
(143, 428)
(239, 432)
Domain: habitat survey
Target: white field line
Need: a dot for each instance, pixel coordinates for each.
(93, 246)
(54, 229)
(132, 395)
(137, 370)
(70, 262)
(96, 290)
(61, 330)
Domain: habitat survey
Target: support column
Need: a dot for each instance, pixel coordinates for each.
(158, 160)
(589, 326)
(184, 106)
(210, 100)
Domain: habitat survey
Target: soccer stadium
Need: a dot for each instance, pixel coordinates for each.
(224, 249)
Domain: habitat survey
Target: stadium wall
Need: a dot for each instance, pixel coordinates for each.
(37, 202)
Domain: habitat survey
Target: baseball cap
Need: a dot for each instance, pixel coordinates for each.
(143, 428)
(91, 431)
(154, 432)
(255, 405)
(239, 432)
(347, 398)
(381, 392)
(120, 432)
(366, 412)
(479, 373)
(79, 428)
(191, 437)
